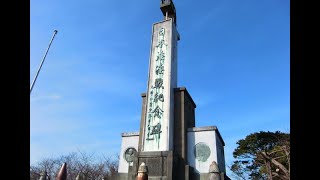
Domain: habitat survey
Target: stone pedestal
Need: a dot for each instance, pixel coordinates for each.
(159, 165)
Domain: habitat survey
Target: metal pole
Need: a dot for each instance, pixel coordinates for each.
(54, 34)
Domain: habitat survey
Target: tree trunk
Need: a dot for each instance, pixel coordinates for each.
(268, 165)
(279, 165)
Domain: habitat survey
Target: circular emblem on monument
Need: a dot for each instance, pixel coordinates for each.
(129, 154)
(202, 151)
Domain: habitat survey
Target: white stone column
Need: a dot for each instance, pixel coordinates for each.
(158, 128)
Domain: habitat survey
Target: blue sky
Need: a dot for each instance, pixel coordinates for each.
(233, 58)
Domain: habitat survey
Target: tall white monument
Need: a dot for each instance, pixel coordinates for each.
(168, 143)
(158, 133)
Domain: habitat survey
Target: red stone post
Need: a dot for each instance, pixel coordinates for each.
(62, 174)
(142, 172)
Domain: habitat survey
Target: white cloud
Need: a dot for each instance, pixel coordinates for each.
(45, 97)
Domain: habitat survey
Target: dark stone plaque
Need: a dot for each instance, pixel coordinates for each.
(129, 154)
(202, 151)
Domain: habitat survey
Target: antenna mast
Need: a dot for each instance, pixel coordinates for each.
(54, 34)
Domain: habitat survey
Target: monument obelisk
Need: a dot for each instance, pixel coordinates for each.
(168, 145)
(162, 79)
(156, 135)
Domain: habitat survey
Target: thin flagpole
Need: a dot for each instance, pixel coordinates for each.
(54, 34)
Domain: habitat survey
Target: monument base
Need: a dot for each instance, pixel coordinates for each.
(122, 176)
(159, 163)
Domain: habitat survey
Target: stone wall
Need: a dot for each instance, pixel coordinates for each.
(129, 143)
